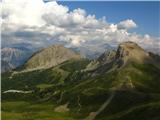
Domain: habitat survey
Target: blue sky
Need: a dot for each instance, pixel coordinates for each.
(145, 14)
(63, 23)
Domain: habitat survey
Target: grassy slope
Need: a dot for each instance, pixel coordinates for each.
(94, 91)
(16, 106)
(22, 110)
(29, 80)
(90, 92)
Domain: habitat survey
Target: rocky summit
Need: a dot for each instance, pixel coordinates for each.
(50, 56)
(126, 53)
(132, 51)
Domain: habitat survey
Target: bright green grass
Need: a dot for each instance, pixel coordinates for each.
(21, 110)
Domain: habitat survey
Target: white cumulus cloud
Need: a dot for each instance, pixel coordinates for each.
(127, 24)
(34, 21)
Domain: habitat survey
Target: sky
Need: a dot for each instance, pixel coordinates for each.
(76, 24)
(146, 14)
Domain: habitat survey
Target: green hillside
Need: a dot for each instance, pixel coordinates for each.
(125, 87)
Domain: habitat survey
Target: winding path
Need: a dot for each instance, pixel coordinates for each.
(93, 115)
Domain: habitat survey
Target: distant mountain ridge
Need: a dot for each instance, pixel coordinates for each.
(13, 57)
(91, 51)
(8, 64)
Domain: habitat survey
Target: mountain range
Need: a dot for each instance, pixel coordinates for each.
(56, 83)
(17, 54)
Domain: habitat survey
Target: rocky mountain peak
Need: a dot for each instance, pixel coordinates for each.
(132, 51)
(127, 52)
(50, 56)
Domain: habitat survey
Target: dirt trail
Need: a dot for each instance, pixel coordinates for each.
(93, 115)
(62, 108)
(79, 104)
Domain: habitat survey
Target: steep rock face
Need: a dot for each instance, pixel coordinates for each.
(105, 58)
(50, 57)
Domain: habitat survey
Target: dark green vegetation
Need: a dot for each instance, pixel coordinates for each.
(71, 92)
(55, 75)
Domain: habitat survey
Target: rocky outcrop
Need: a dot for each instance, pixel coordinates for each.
(105, 58)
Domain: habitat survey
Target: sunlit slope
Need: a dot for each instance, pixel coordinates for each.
(49, 57)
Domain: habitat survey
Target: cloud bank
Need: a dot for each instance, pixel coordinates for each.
(42, 24)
